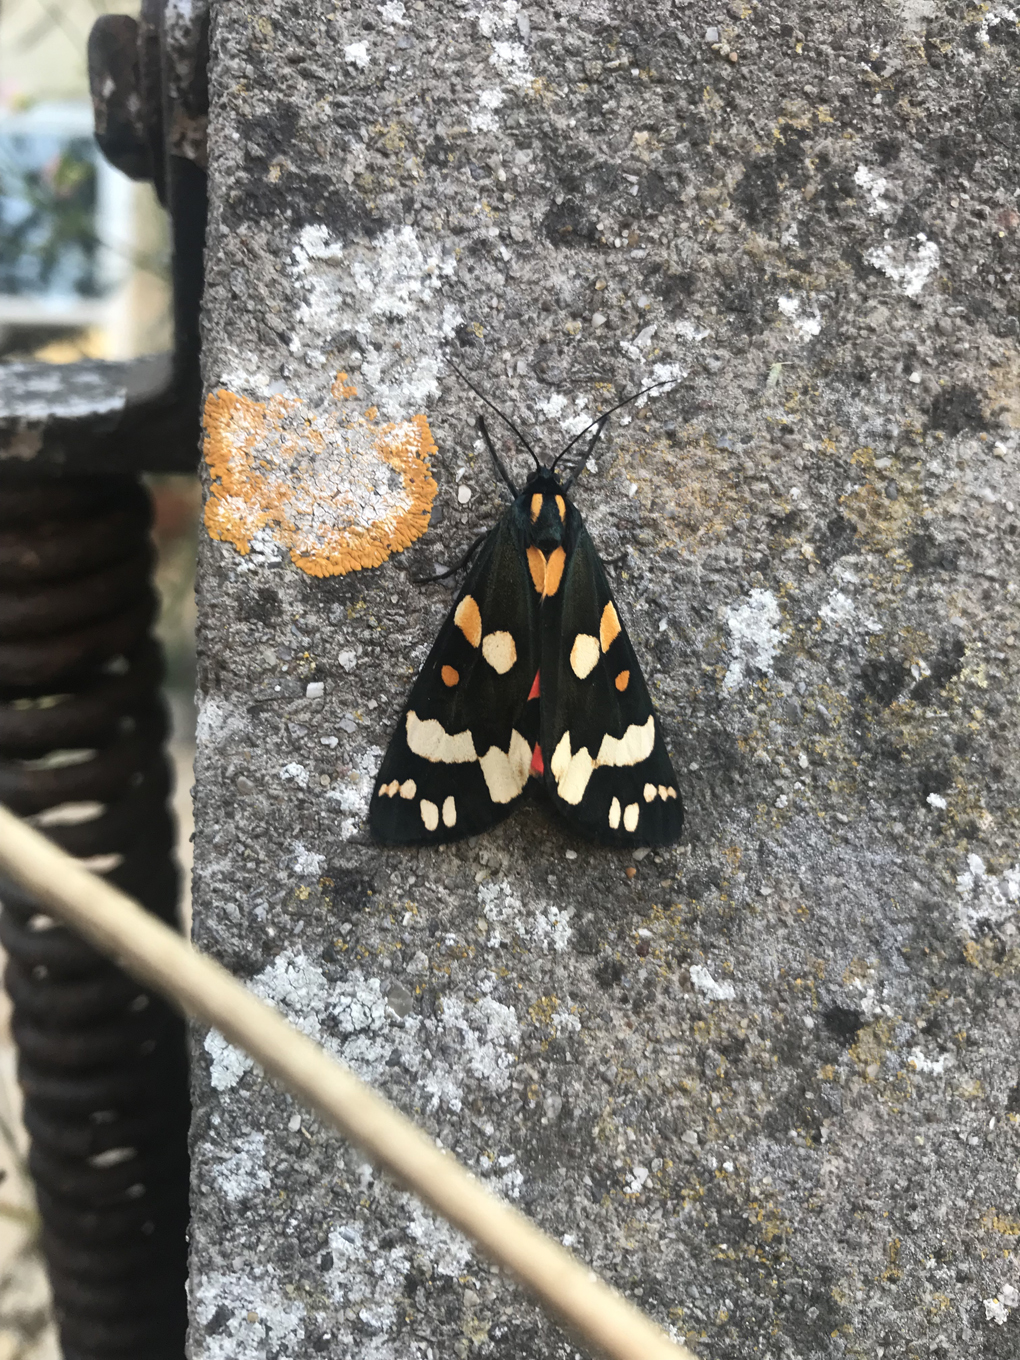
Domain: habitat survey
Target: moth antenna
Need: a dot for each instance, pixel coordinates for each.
(605, 416)
(493, 407)
(587, 453)
(496, 458)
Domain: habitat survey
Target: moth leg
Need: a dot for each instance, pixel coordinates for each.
(442, 575)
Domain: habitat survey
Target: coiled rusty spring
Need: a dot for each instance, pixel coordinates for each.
(101, 1062)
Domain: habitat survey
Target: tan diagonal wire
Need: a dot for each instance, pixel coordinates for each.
(597, 1315)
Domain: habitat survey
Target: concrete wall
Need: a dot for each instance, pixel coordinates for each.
(765, 1080)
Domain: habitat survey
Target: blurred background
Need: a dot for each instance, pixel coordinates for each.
(84, 274)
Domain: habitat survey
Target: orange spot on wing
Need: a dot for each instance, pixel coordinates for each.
(450, 676)
(622, 680)
(469, 620)
(554, 572)
(537, 763)
(535, 691)
(536, 506)
(561, 506)
(609, 627)
(536, 565)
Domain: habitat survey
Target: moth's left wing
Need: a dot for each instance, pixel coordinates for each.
(606, 765)
(460, 758)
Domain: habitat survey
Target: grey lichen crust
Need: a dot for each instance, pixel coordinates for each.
(765, 1081)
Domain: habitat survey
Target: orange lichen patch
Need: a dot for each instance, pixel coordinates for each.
(336, 488)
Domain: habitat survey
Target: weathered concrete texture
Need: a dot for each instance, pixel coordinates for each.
(767, 1083)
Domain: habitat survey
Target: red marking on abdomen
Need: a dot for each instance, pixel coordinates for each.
(537, 763)
(534, 687)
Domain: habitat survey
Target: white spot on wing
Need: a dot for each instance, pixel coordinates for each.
(506, 773)
(408, 788)
(429, 814)
(584, 655)
(650, 792)
(614, 814)
(499, 651)
(574, 781)
(630, 816)
(450, 812)
(634, 746)
(561, 756)
(431, 741)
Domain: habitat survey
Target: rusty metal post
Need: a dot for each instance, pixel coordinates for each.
(82, 731)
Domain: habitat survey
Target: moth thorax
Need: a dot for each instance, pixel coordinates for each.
(546, 518)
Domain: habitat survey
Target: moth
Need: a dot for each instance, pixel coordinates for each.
(532, 680)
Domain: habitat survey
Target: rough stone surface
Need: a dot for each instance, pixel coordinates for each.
(766, 1083)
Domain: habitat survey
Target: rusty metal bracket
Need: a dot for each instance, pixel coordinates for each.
(150, 96)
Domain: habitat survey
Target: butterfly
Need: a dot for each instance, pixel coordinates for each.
(532, 678)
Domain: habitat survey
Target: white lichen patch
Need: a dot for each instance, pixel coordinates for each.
(840, 614)
(995, 15)
(565, 1021)
(243, 1172)
(227, 1064)
(995, 1311)
(362, 1031)
(705, 985)
(874, 186)
(260, 1319)
(992, 899)
(365, 1276)
(807, 325)
(447, 1249)
(917, 1060)
(552, 929)
(504, 911)
(487, 1037)
(393, 12)
(909, 264)
(389, 291)
(484, 119)
(755, 638)
(838, 610)
(355, 791)
(356, 54)
(293, 771)
(306, 863)
(547, 926)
